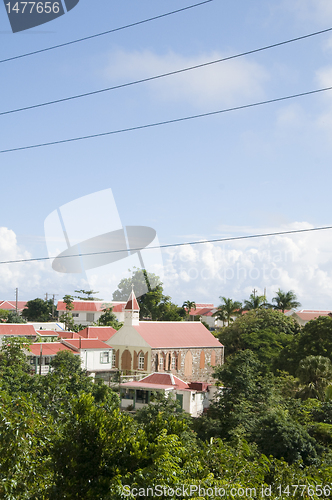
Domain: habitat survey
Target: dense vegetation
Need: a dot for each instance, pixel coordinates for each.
(62, 436)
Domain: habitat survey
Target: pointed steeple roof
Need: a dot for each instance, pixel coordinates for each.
(132, 304)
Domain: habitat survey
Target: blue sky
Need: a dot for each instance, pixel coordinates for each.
(249, 171)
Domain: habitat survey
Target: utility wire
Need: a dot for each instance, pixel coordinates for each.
(163, 75)
(166, 122)
(173, 245)
(104, 32)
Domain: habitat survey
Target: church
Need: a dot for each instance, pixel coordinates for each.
(184, 348)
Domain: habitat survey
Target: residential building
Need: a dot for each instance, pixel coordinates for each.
(192, 397)
(87, 312)
(305, 315)
(8, 330)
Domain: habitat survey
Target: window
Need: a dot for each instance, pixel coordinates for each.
(75, 315)
(90, 317)
(141, 360)
(161, 362)
(113, 359)
(173, 365)
(105, 357)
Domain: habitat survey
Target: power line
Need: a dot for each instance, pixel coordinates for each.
(104, 32)
(163, 75)
(173, 245)
(167, 122)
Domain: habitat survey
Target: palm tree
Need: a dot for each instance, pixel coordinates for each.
(227, 310)
(285, 301)
(315, 374)
(188, 306)
(254, 302)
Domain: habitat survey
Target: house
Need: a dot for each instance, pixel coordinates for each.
(192, 398)
(86, 312)
(305, 315)
(10, 305)
(40, 355)
(96, 356)
(205, 312)
(184, 348)
(8, 330)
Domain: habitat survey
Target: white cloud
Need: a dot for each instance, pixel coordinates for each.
(300, 262)
(313, 10)
(218, 84)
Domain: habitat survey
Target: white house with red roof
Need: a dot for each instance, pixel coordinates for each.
(40, 355)
(184, 348)
(96, 356)
(10, 305)
(305, 315)
(8, 330)
(191, 398)
(86, 312)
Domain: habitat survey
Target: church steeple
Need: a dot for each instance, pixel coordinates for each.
(131, 311)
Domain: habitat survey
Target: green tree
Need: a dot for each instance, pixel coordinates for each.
(245, 396)
(38, 310)
(67, 317)
(285, 300)
(227, 310)
(108, 318)
(141, 281)
(188, 306)
(254, 302)
(315, 375)
(86, 295)
(283, 438)
(12, 317)
(264, 331)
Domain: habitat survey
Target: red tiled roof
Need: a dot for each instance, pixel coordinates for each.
(17, 329)
(69, 335)
(205, 311)
(158, 381)
(132, 303)
(92, 305)
(171, 334)
(11, 305)
(48, 348)
(308, 314)
(87, 344)
(103, 333)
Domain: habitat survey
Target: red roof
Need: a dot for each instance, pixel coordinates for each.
(48, 348)
(132, 303)
(17, 329)
(69, 335)
(92, 305)
(86, 344)
(158, 381)
(177, 334)
(11, 305)
(204, 311)
(308, 314)
(103, 333)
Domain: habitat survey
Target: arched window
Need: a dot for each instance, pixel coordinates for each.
(188, 364)
(173, 361)
(213, 358)
(161, 361)
(202, 360)
(141, 359)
